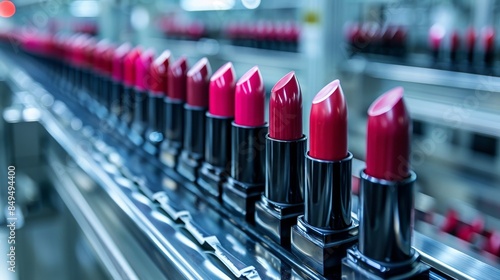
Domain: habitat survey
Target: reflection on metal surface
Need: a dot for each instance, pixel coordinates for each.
(454, 262)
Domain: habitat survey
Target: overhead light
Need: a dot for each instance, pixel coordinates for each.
(207, 5)
(84, 8)
(251, 4)
(139, 18)
(7, 9)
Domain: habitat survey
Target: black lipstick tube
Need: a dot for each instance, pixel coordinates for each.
(385, 230)
(215, 169)
(115, 102)
(194, 142)
(83, 93)
(127, 109)
(70, 77)
(489, 57)
(103, 95)
(76, 85)
(156, 123)
(283, 198)
(470, 55)
(247, 179)
(140, 117)
(174, 132)
(95, 89)
(326, 230)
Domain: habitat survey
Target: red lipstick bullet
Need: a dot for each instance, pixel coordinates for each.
(197, 84)
(247, 177)
(174, 112)
(250, 99)
(142, 80)
(471, 41)
(326, 226)
(220, 114)
(177, 75)
(194, 115)
(282, 202)
(454, 46)
(128, 90)
(388, 137)
(157, 92)
(285, 109)
(221, 96)
(387, 197)
(328, 124)
(436, 35)
(489, 46)
(158, 73)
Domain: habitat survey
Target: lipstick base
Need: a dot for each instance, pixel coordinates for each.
(154, 134)
(282, 201)
(115, 106)
(210, 180)
(188, 165)
(240, 198)
(138, 126)
(169, 153)
(275, 220)
(322, 249)
(358, 266)
(127, 114)
(247, 177)
(214, 169)
(193, 148)
(174, 125)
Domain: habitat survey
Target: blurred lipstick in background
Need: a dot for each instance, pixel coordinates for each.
(174, 112)
(193, 148)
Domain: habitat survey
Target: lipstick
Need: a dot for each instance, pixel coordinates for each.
(193, 147)
(128, 89)
(142, 79)
(386, 197)
(215, 168)
(106, 72)
(248, 147)
(77, 62)
(489, 46)
(282, 201)
(157, 92)
(87, 75)
(71, 47)
(471, 41)
(326, 230)
(436, 35)
(117, 94)
(97, 80)
(174, 113)
(454, 46)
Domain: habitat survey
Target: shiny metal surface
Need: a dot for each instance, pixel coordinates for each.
(453, 262)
